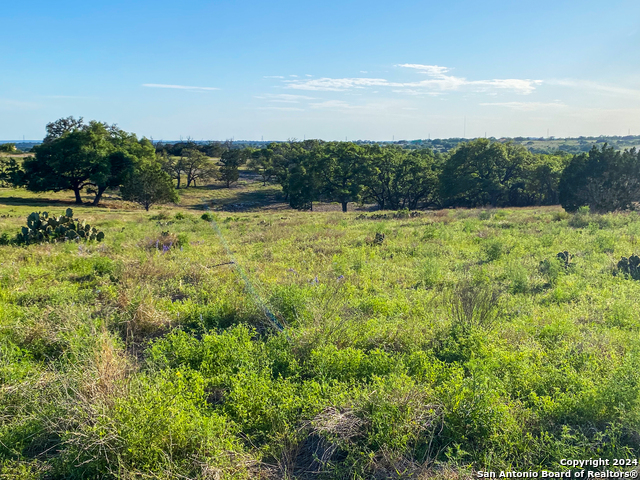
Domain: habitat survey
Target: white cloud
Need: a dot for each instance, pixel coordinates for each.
(597, 87)
(439, 81)
(273, 76)
(409, 91)
(179, 87)
(443, 81)
(282, 109)
(335, 84)
(284, 97)
(525, 106)
(431, 70)
(332, 104)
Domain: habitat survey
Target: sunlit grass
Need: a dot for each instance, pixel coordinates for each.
(120, 359)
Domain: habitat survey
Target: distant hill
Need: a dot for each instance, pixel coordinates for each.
(23, 145)
(442, 145)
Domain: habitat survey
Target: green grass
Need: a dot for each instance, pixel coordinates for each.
(459, 343)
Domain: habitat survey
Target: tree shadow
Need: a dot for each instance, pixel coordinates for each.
(237, 198)
(27, 202)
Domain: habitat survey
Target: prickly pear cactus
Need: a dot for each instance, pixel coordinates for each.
(41, 228)
(629, 267)
(565, 257)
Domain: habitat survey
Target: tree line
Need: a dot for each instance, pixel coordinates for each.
(94, 156)
(477, 173)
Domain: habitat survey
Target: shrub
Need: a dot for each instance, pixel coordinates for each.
(484, 215)
(167, 240)
(208, 217)
(430, 274)
(494, 250)
(44, 229)
(404, 213)
(552, 269)
(559, 216)
(160, 216)
(581, 218)
(149, 185)
(519, 280)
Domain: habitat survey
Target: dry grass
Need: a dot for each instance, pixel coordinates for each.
(107, 371)
(140, 319)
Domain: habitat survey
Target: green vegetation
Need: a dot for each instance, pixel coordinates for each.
(8, 148)
(41, 228)
(96, 157)
(148, 185)
(77, 156)
(415, 346)
(232, 337)
(605, 180)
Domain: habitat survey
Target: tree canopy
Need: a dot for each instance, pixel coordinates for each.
(482, 172)
(149, 185)
(603, 179)
(75, 156)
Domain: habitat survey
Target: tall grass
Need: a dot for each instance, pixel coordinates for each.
(462, 341)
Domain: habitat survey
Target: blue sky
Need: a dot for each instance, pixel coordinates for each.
(354, 69)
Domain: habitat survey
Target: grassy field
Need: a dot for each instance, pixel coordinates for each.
(413, 346)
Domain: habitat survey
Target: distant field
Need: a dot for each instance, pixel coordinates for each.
(414, 347)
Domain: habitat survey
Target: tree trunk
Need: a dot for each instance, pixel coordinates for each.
(344, 206)
(178, 181)
(76, 190)
(96, 200)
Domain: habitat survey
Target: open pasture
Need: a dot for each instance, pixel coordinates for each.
(414, 346)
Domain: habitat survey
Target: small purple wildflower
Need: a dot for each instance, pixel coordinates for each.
(341, 277)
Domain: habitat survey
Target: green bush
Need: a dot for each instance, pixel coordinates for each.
(494, 250)
(484, 215)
